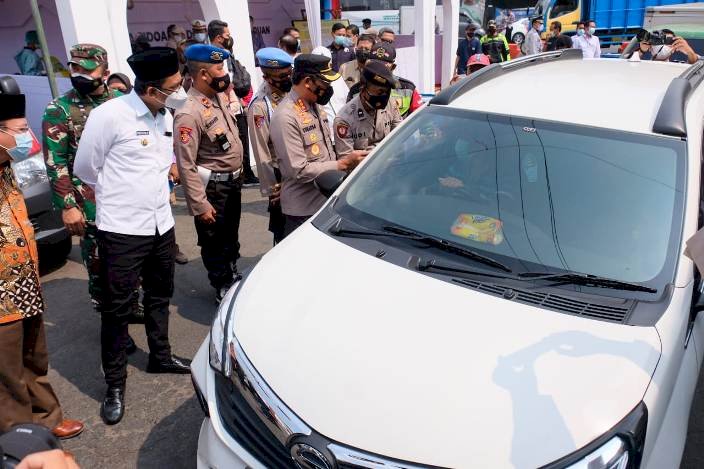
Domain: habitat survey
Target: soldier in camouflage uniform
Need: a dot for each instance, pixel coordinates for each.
(62, 125)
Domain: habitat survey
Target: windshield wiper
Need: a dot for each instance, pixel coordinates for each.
(403, 233)
(586, 280)
(446, 246)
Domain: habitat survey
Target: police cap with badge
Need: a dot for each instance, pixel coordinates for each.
(384, 51)
(315, 65)
(206, 53)
(273, 57)
(376, 73)
(154, 64)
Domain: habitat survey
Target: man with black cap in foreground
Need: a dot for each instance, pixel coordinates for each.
(209, 156)
(405, 94)
(276, 67)
(126, 153)
(371, 115)
(302, 140)
(25, 393)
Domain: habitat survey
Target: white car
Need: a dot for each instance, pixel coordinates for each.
(501, 284)
(519, 31)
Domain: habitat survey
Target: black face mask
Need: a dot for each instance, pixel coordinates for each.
(324, 97)
(283, 85)
(362, 55)
(228, 43)
(378, 102)
(220, 84)
(84, 85)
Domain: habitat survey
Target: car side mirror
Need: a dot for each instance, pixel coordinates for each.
(328, 182)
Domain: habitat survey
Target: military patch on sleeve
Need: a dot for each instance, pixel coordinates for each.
(342, 129)
(258, 121)
(185, 133)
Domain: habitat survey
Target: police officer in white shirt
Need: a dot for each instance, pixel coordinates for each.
(125, 154)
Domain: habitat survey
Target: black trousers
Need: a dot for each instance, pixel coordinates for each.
(125, 260)
(277, 219)
(244, 138)
(219, 241)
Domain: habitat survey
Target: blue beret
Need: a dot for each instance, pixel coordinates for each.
(206, 53)
(273, 57)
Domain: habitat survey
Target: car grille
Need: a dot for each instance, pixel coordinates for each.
(243, 425)
(563, 304)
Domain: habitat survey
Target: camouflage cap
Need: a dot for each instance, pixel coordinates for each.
(88, 56)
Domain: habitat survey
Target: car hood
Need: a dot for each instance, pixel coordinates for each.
(390, 361)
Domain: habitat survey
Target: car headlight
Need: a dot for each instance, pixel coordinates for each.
(30, 171)
(619, 448)
(221, 334)
(612, 455)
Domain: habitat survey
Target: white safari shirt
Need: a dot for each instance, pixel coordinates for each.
(591, 49)
(125, 154)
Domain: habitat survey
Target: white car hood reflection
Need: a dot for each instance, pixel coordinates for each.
(390, 361)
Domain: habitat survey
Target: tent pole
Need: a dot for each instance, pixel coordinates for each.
(45, 49)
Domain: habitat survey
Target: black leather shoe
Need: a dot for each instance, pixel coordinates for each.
(131, 346)
(173, 365)
(113, 408)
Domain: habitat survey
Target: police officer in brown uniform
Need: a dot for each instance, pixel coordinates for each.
(209, 155)
(371, 115)
(302, 140)
(276, 68)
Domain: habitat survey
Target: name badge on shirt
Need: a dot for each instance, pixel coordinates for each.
(142, 132)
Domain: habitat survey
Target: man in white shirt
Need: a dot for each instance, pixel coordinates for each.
(533, 43)
(125, 154)
(586, 40)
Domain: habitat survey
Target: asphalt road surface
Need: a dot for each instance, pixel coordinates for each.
(162, 420)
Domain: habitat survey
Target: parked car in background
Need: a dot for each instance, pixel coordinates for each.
(53, 240)
(519, 30)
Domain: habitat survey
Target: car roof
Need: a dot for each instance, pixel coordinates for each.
(611, 93)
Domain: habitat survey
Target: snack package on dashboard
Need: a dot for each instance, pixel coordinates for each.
(479, 228)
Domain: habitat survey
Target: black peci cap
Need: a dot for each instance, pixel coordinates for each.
(154, 64)
(12, 101)
(377, 73)
(315, 65)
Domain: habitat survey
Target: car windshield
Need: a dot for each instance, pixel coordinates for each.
(535, 195)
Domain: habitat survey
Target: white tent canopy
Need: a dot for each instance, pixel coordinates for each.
(105, 22)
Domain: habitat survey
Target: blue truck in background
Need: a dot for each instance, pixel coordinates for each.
(616, 20)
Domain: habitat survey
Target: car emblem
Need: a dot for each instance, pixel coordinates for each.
(307, 457)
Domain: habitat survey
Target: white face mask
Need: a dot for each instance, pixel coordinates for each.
(175, 100)
(200, 37)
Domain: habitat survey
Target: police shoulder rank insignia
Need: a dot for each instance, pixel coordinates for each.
(258, 121)
(342, 129)
(315, 149)
(185, 133)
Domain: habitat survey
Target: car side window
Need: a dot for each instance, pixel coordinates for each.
(563, 7)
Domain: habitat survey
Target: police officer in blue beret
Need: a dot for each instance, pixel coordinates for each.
(209, 156)
(276, 66)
